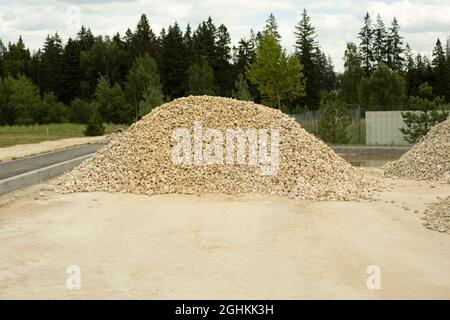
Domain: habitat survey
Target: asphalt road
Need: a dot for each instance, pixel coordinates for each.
(16, 167)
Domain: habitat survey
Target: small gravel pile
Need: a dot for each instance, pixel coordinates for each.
(437, 216)
(140, 159)
(429, 159)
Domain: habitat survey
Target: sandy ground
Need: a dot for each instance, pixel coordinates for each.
(25, 150)
(221, 247)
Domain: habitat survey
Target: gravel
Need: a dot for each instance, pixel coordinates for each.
(429, 159)
(139, 159)
(437, 216)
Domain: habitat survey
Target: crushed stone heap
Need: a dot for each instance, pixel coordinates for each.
(428, 159)
(437, 215)
(141, 159)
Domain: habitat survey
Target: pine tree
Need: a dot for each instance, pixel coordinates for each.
(51, 61)
(17, 59)
(271, 27)
(111, 103)
(384, 90)
(174, 62)
(94, 125)
(23, 101)
(308, 54)
(241, 89)
(143, 76)
(366, 45)
(152, 97)
(204, 42)
(244, 55)
(201, 79)
(395, 59)
(70, 71)
(441, 72)
(222, 66)
(335, 119)
(352, 76)
(278, 77)
(143, 40)
(426, 114)
(380, 43)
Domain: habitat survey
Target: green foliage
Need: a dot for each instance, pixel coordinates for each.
(94, 126)
(335, 119)
(366, 44)
(241, 90)
(312, 59)
(174, 62)
(105, 58)
(201, 79)
(395, 59)
(111, 103)
(51, 110)
(427, 113)
(51, 65)
(352, 76)
(277, 76)
(80, 110)
(384, 90)
(271, 27)
(153, 97)
(17, 59)
(23, 101)
(143, 76)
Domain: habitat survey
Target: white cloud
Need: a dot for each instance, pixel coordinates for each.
(336, 22)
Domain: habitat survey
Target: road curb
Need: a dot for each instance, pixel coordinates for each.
(39, 175)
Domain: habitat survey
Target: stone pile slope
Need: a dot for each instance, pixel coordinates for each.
(437, 216)
(140, 159)
(428, 159)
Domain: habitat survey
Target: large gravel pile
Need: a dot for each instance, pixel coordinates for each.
(140, 159)
(437, 216)
(429, 159)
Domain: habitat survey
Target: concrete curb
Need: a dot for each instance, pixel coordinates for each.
(39, 175)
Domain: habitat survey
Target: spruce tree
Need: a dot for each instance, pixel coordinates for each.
(17, 59)
(241, 89)
(426, 114)
(271, 27)
(94, 125)
(352, 76)
(441, 72)
(380, 43)
(222, 66)
(334, 120)
(143, 76)
(278, 76)
(384, 90)
(51, 61)
(143, 40)
(201, 79)
(366, 44)
(174, 62)
(308, 53)
(395, 52)
(70, 72)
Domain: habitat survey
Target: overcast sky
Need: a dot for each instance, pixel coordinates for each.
(336, 22)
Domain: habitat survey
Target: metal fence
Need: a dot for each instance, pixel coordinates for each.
(310, 122)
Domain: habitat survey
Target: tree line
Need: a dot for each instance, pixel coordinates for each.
(121, 78)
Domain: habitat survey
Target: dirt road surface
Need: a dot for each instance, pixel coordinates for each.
(221, 246)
